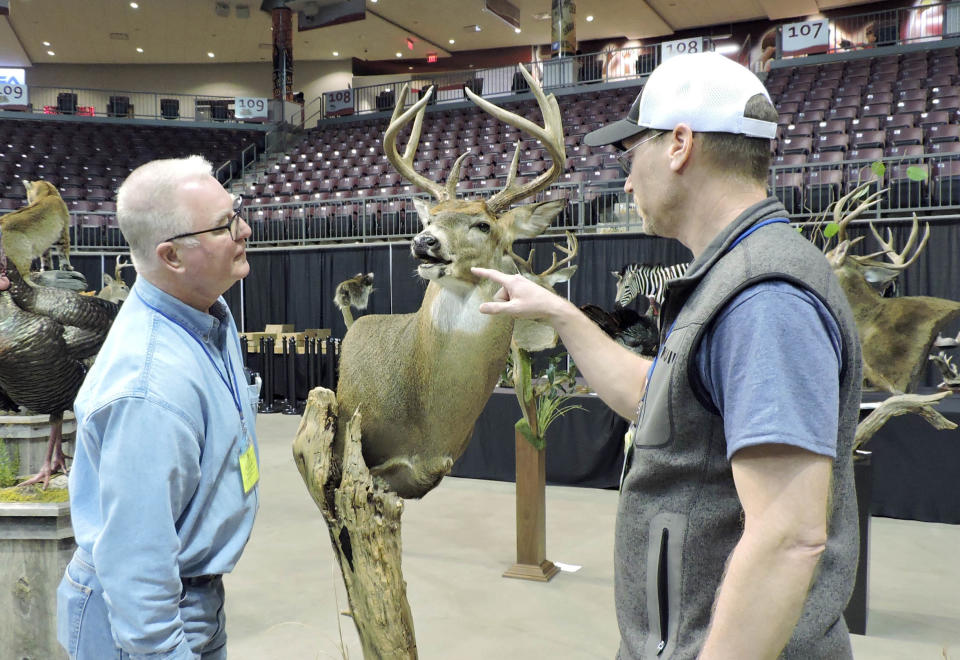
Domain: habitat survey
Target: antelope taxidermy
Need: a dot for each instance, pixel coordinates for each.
(896, 334)
(421, 380)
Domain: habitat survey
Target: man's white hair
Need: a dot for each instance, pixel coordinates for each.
(148, 206)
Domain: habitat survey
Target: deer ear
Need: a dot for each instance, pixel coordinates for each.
(423, 210)
(107, 280)
(531, 220)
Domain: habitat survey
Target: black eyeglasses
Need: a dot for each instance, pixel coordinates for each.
(230, 225)
(625, 158)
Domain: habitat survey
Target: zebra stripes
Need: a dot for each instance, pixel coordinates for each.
(646, 279)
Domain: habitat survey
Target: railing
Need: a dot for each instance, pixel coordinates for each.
(927, 184)
(892, 27)
(131, 105)
(227, 171)
(612, 66)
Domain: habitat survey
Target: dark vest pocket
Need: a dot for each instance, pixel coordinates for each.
(664, 562)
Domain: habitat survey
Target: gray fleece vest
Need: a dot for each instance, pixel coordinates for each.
(679, 516)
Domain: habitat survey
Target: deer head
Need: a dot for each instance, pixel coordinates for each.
(896, 334)
(114, 288)
(458, 234)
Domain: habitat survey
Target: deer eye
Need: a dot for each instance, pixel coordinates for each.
(483, 226)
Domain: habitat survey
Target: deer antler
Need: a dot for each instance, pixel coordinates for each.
(898, 260)
(119, 266)
(550, 135)
(404, 164)
(838, 210)
(525, 266)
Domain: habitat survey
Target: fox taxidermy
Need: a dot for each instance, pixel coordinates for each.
(28, 233)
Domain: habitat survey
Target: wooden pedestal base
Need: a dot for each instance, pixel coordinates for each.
(542, 573)
(532, 562)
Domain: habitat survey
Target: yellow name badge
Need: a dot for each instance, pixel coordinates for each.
(248, 468)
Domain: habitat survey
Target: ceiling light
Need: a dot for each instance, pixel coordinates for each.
(210, 55)
(399, 54)
(50, 52)
(134, 5)
(139, 50)
(590, 18)
(46, 43)
(453, 41)
(336, 53)
(517, 30)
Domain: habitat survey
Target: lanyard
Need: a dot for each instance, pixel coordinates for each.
(653, 365)
(228, 380)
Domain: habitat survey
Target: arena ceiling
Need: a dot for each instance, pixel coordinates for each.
(186, 31)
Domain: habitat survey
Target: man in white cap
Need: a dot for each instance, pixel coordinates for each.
(737, 525)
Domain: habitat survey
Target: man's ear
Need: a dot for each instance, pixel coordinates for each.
(681, 147)
(169, 256)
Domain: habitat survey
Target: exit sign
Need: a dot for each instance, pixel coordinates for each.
(431, 57)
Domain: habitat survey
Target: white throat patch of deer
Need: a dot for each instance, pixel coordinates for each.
(421, 380)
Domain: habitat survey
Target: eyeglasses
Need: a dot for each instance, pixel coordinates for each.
(625, 158)
(230, 225)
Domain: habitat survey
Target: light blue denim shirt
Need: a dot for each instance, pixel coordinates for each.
(156, 490)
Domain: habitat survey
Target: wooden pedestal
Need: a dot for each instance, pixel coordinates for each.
(36, 542)
(532, 562)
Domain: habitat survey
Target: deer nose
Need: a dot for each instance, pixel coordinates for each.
(423, 243)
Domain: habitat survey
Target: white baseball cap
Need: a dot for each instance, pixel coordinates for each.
(706, 91)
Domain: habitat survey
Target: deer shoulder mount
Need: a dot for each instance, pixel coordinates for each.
(114, 288)
(896, 334)
(421, 380)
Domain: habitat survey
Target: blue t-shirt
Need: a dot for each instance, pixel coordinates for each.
(770, 362)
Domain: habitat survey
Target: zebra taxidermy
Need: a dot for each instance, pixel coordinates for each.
(354, 292)
(647, 279)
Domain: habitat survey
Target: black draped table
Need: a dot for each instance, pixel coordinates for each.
(916, 469)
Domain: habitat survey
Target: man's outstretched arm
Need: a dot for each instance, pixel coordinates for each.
(614, 372)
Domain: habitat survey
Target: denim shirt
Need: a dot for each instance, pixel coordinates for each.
(156, 490)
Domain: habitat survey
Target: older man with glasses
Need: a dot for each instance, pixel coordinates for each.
(736, 532)
(163, 490)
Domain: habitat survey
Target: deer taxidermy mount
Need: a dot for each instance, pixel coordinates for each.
(421, 380)
(411, 386)
(896, 334)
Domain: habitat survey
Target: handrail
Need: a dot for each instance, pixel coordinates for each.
(890, 27)
(91, 102)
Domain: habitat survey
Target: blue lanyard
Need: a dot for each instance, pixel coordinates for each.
(228, 380)
(764, 223)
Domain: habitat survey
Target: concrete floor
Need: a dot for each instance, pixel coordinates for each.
(284, 597)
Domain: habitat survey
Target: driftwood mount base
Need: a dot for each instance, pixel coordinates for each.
(363, 520)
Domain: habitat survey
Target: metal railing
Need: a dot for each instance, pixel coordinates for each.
(76, 101)
(927, 184)
(229, 170)
(891, 27)
(612, 66)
